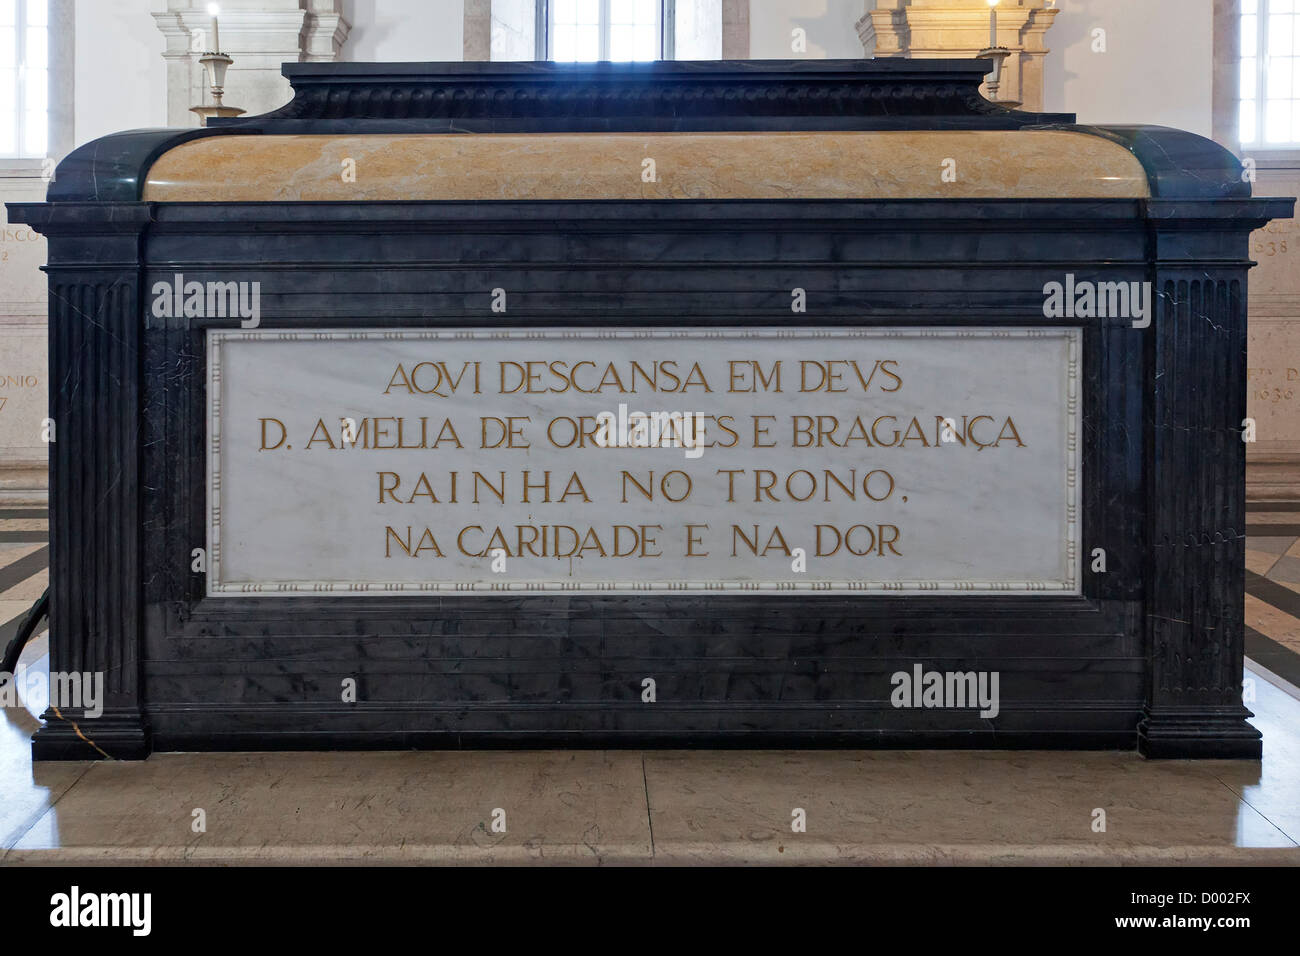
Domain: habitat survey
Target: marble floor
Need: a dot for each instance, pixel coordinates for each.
(667, 807)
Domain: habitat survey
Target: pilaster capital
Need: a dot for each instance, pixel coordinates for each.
(961, 28)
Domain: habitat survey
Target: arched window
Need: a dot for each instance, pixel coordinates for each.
(1269, 113)
(617, 30)
(24, 78)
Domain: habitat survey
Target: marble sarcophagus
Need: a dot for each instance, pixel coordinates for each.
(705, 404)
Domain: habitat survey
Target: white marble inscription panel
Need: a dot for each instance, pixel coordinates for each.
(624, 460)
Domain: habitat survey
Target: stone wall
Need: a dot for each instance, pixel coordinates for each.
(23, 365)
(1273, 461)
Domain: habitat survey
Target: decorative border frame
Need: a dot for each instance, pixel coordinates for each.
(1071, 585)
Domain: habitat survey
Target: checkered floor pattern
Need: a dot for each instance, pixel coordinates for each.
(24, 565)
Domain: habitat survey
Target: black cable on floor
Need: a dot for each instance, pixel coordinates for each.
(39, 612)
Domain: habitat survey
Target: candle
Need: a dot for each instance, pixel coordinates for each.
(213, 9)
(993, 24)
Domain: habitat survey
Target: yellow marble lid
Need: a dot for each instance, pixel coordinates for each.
(932, 164)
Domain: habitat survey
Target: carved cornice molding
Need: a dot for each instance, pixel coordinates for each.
(499, 97)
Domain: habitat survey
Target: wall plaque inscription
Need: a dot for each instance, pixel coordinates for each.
(933, 460)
